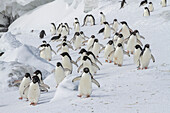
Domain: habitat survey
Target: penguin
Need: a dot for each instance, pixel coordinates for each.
(106, 30)
(150, 7)
(67, 61)
(64, 31)
(96, 47)
(115, 37)
(145, 57)
(120, 39)
(67, 27)
(83, 53)
(89, 19)
(64, 40)
(42, 34)
(123, 3)
(34, 90)
(125, 30)
(92, 57)
(164, 3)
(59, 28)
(24, 83)
(64, 48)
(42, 48)
(48, 52)
(2, 53)
(102, 18)
(115, 25)
(131, 42)
(90, 42)
(85, 84)
(53, 29)
(77, 40)
(109, 47)
(146, 12)
(144, 2)
(55, 38)
(75, 21)
(137, 52)
(43, 86)
(86, 62)
(59, 73)
(138, 35)
(118, 55)
(77, 27)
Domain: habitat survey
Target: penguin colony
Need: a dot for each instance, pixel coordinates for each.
(122, 41)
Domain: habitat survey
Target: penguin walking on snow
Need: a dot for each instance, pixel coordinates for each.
(34, 90)
(42, 49)
(90, 42)
(64, 31)
(150, 7)
(102, 18)
(137, 52)
(89, 19)
(53, 29)
(164, 3)
(42, 34)
(144, 2)
(115, 37)
(55, 38)
(85, 84)
(59, 28)
(115, 25)
(24, 83)
(145, 57)
(48, 52)
(96, 47)
(123, 2)
(83, 53)
(77, 40)
(106, 30)
(125, 30)
(65, 48)
(67, 61)
(146, 12)
(109, 48)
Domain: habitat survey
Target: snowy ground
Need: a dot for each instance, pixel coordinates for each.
(123, 89)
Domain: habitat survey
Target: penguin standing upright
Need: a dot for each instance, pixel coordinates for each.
(115, 25)
(42, 49)
(59, 28)
(42, 34)
(24, 83)
(146, 12)
(145, 57)
(49, 51)
(102, 18)
(77, 40)
(125, 30)
(164, 3)
(109, 47)
(150, 7)
(138, 35)
(106, 30)
(123, 3)
(143, 3)
(137, 52)
(96, 47)
(64, 31)
(67, 61)
(90, 42)
(53, 29)
(120, 39)
(89, 19)
(34, 90)
(85, 85)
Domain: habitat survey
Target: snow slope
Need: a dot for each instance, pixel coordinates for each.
(123, 89)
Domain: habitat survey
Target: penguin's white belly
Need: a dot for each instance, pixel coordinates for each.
(25, 82)
(146, 13)
(125, 33)
(107, 32)
(85, 85)
(53, 31)
(65, 49)
(78, 42)
(64, 33)
(163, 3)
(33, 93)
(48, 54)
(103, 19)
(136, 56)
(89, 43)
(120, 40)
(59, 75)
(118, 56)
(96, 49)
(66, 63)
(145, 59)
(150, 7)
(42, 54)
(107, 51)
(131, 44)
(115, 27)
(77, 28)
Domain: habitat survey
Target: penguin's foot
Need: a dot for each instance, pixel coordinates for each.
(106, 60)
(27, 99)
(132, 52)
(97, 56)
(49, 59)
(79, 95)
(32, 103)
(56, 86)
(79, 47)
(146, 67)
(104, 37)
(115, 58)
(110, 61)
(88, 96)
(120, 65)
(115, 63)
(20, 98)
(127, 52)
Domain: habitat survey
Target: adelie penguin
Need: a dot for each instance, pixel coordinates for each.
(76, 25)
(106, 30)
(138, 35)
(60, 73)
(115, 37)
(125, 30)
(48, 52)
(164, 3)
(85, 84)
(65, 48)
(53, 29)
(96, 47)
(77, 40)
(143, 3)
(137, 52)
(150, 7)
(42, 48)
(90, 42)
(102, 18)
(67, 61)
(145, 57)
(83, 35)
(146, 12)
(83, 53)
(120, 39)
(55, 38)
(64, 31)
(118, 55)
(59, 28)
(42, 34)
(24, 83)
(123, 2)
(115, 25)
(89, 19)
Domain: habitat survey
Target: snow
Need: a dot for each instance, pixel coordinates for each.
(123, 89)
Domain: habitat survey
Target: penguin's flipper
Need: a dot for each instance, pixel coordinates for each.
(101, 31)
(78, 59)
(17, 81)
(42, 88)
(66, 69)
(98, 61)
(120, 31)
(84, 41)
(101, 49)
(26, 88)
(70, 46)
(76, 79)
(126, 53)
(95, 82)
(101, 45)
(90, 47)
(139, 42)
(59, 49)
(58, 45)
(153, 59)
(53, 51)
(45, 85)
(81, 66)
(74, 63)
(126, 40)
(111, 52)
(42, 50)
(95, 65)
(142, 37)
(84, 22)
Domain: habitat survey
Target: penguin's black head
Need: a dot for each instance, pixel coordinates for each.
(115, 20)
(92, 36)
(65, 37)
(96, 40)
(59, 35)
(119, 45)
(27, 75)
(101, 12)
(86, 70)
(37, 72)
(44, 41)
(81, 32)
(35, 79)
(106, 23)
(120, 36)
(43, 31)
(147, 46)
(117, 34)
(85, 58)
(110, 42)
(136, 31)
(146, 8)
(64, 44)
(59, 64)
(77, 34)
(76, 18)
(138, 47)
(150, 2)
(64, 54)
(82, 51)
(48, 45)
(123, 23)
(63, 26)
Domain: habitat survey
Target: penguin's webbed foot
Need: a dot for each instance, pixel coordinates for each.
(32, 103)
(146, 67)
(79, 95)
(106, 60)
(20, 98)
(120, 65)
(110, 61)
(88, 96)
